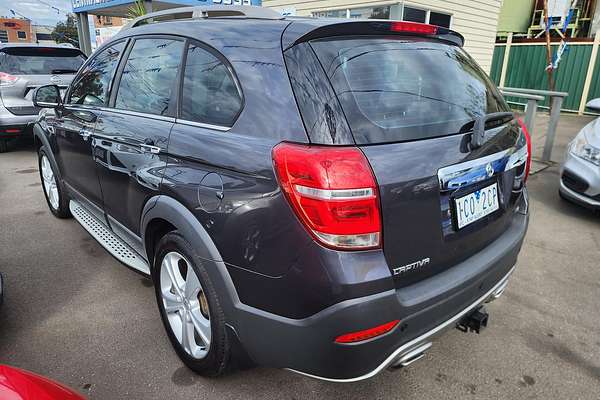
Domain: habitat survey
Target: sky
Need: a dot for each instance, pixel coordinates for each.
(39, 11)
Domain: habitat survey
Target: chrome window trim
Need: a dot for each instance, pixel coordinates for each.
(202, 125)
(139, 114)
(84, 107)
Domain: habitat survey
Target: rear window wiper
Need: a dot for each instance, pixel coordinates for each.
(478, 125)
(63, 71)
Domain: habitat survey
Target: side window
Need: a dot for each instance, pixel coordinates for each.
(92, 85)
(149, 76)
(209, 92)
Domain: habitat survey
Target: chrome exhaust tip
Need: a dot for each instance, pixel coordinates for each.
(498, 292)
(415, 354)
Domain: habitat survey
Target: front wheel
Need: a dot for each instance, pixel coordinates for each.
(189, 307)
(53, 189)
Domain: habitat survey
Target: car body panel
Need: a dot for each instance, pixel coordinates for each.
(580, 178)
(73, 127)
(130, 155)
(18, 384)
(417, 212)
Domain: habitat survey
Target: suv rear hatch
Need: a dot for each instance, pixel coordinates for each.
(411, 104)
(24, 68)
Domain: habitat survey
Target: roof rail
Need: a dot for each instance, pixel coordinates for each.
(204, 12)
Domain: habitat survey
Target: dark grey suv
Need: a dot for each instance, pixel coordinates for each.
(319, 195)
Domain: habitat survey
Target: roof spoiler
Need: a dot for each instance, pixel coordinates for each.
(305, 30)
(204, 12)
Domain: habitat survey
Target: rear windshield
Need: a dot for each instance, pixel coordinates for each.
(397, 89)
(40, 61)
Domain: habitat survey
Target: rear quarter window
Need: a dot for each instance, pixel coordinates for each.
(399, 89)
(210, 94)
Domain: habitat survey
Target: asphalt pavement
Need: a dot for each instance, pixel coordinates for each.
(74, 313)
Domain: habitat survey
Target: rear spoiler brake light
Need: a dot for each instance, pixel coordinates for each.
(304, 32)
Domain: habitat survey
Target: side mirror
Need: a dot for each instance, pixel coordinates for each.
(47, 96)
(594, 104)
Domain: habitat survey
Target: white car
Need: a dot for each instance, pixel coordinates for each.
(580, 174)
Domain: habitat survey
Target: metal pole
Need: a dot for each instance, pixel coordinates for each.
(552, 125)
(504, 71)
(548, 47)
(148, 6)
(590, 74)
(530, 113)
(80, 38)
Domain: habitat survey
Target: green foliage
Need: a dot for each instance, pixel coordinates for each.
(136, 10)
(66, 31)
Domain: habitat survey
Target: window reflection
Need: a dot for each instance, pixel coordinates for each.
(149, 75)
(92, 86)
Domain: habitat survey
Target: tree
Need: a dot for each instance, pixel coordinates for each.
(66, 32)
(137, 9)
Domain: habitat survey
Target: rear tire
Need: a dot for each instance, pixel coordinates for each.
(3, 145)
(189, 307)
(53, 188)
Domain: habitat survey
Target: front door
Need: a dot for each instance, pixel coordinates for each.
(132, 135)
(76, 122)
(74, 127)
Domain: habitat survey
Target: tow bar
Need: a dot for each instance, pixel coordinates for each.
(475, 321)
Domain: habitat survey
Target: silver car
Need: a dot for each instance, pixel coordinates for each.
(23, 67)
(580, 174)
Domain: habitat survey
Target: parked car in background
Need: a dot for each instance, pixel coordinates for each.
(23, 67)
(580, 173)
(322, 195)
(18, 384)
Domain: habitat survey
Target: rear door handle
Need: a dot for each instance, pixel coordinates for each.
(150, 148)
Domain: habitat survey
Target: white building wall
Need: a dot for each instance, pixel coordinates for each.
(477, 20)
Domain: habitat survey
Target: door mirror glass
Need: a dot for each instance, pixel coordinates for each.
(594, 104)
(47, 96)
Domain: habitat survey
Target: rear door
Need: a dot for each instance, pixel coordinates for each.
(132, 134)
(411, 104)
(33, 67)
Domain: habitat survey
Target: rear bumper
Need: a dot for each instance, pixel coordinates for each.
(425, 309)
(420, 344)
(11, 121)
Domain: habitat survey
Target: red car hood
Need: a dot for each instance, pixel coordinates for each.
(17, 384)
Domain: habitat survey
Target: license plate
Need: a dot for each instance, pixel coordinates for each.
(476, 205)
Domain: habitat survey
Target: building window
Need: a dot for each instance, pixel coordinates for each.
(331, 14)
(43, 36)
(22, 35)
(414, 15)
(406, 13)
(426, 16)
(440, 19)
(3, 37)
(371, 13)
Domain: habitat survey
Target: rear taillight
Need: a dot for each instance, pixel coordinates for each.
(367, 333)
(7, 79)
(528, 141)
(333, 192)
(414, 27)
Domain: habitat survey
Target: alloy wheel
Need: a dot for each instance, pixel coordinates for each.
(49, 182)
(185, 305)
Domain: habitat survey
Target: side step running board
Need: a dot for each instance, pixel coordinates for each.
(115, 246)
